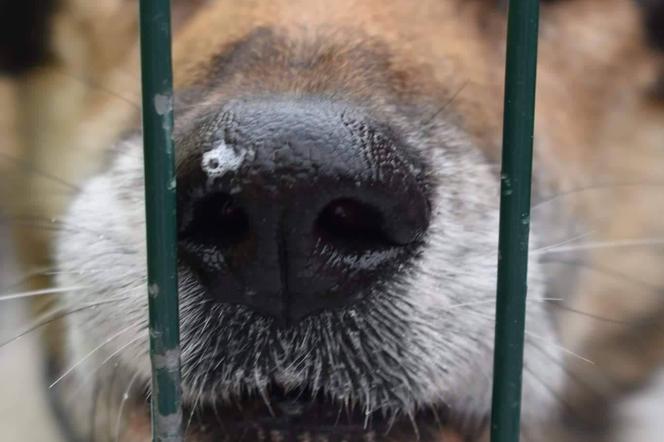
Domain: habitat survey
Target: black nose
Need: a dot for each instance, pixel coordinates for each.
(290, 207)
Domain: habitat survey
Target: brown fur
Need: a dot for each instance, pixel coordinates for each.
(595, 72)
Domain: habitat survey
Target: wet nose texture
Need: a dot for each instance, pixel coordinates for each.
(294, 207)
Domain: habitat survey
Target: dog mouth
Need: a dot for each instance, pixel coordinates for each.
(302, 415)
(255, 381)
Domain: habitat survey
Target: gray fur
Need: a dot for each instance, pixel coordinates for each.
(424, 338)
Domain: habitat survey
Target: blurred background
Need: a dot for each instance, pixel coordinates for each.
(25, 414)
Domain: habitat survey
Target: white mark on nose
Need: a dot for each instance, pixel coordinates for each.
(221, 160)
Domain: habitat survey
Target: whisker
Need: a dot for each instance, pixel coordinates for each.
(586, 265)
(561, 243)
(554, 394)
(92, 435)
(26, 277)
(533, 335)
(599, 186)
(492, 300)
(413, 423)
(54, 223)
(51, 291)
(560, 347)
(555, 302)
(195, 404)
(125, 398)
(109, 358)
(25, 165)
(96, 86)
(446, 104)
(53, 316)
(55, 228)
(567, 309)
(655, 241)
(106, 341)
(577, 378)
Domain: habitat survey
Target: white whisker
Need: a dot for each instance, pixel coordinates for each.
(51, 291)
(562, 243)
(594, 187)
(92, 352)
(553, 344)
(533, 335)
(492, 300)
(52, 315)
(125, 398)
(106, 360)
(656, 241)
(26, 276)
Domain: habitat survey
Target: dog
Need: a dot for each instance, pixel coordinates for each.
(338, 200)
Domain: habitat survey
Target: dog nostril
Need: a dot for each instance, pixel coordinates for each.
(217, 217)
(349, 223)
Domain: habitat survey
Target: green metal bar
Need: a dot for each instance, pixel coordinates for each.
(516, 173)
(157, 83)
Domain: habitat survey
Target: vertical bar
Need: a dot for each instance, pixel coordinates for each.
(157, 84)
(518, 126)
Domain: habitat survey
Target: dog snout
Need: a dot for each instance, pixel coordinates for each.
(298, 206)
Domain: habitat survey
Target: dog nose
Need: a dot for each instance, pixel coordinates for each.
(297, 207)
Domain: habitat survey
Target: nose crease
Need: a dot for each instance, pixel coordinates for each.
(282, 249)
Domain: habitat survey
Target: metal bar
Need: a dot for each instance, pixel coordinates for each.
(518, 126)
(160, 206)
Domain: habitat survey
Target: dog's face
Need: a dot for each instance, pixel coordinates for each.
(337, 206)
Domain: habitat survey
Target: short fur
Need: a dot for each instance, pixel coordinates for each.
(434, 72)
